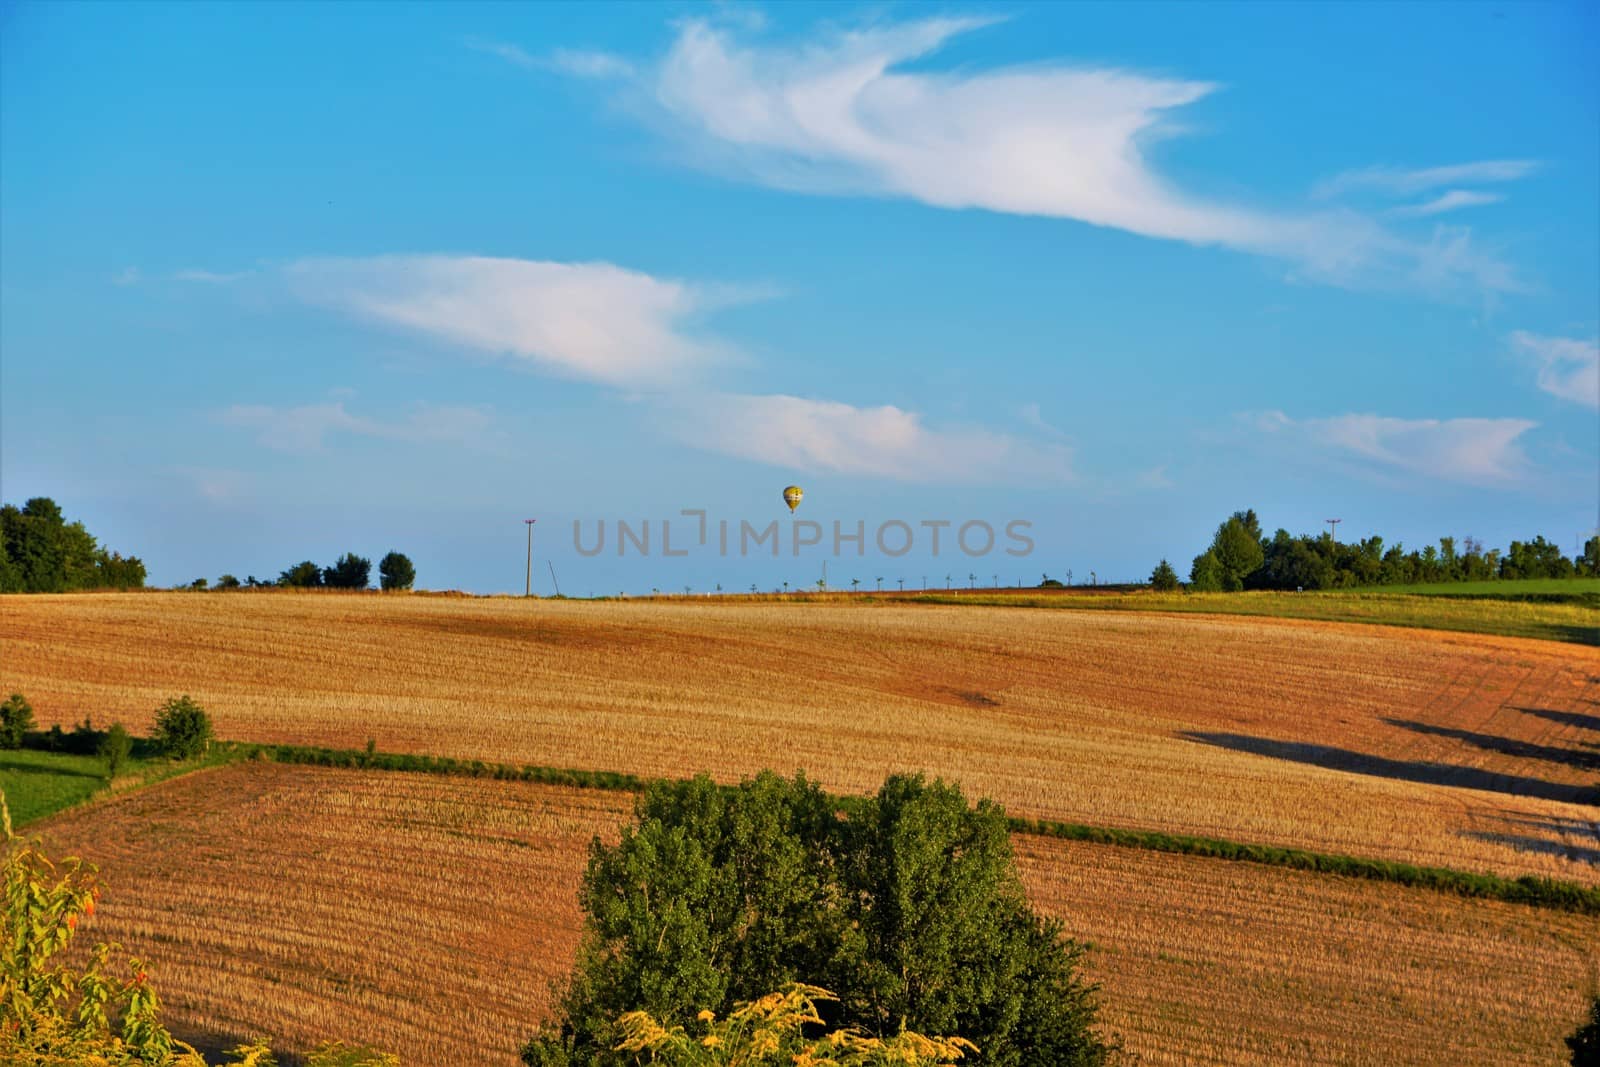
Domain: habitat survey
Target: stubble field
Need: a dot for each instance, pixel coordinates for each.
(428, 915)
(1458, 750)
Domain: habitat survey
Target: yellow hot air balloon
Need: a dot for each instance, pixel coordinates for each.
(791, 496)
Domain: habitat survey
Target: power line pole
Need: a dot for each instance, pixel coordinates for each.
(1333, 529)
(527, 579)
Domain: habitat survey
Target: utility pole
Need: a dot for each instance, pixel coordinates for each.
(1333, 529)
(527, 577)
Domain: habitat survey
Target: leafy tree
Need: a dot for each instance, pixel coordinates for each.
(115, 748)
(16, 719)
(349, 571)
(1205, 574)
(183, 729)
(304, 575)
(910, 908)
(40, 552)
(1237, 550)
(228, 581)
(1164, 578)
(396, 572)
(1588, 564)
(1585, 1042)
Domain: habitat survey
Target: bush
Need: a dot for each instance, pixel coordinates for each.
(1585, 1043)
(183, 729)
(303, 575)
(115, 747)
(349, 571)
(909, 908)
(396, 572)
(16, 719)
(1164, 578)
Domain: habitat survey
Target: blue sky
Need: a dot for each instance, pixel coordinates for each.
(277, 282)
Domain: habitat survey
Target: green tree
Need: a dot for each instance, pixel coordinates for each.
(16, 719)
(115, 748)
(1164, 578)
(1238, 551)
(1588, 564)
(1585, 1043)
(228, 581)
(909, 908)
(349, 571)
(183, 729)
(396, 572)
(1205, 574)
(303, 575)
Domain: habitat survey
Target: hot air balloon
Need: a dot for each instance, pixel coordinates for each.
(791, 496)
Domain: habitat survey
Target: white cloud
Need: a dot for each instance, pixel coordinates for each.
(836, 115)
(884, 442)
(579, 63)
(1568, 368)
(587, 64)
(508, 52)
(307, 428)
(1031, 414)
(1396, 181)
(593, 321)
(209, 277)
(1454, 200)
(1474, 451)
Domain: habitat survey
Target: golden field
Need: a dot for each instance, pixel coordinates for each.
(428, 915)
(1435, 748)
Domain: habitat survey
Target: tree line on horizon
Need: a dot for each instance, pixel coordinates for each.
(349, 571)
(41, 552)
(1240, 556)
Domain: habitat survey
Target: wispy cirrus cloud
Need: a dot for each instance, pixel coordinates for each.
(1399, 181)
(308, 427)
(1454, 200)
(1483, 452)
(592, 321)
(881, 442)
(837, 114)
(581, 63)
(1567, 367)
(211, 277)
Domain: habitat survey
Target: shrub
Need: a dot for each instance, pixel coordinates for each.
(396, 572)
(303, 575)
(1164, 578)
(115, 747)
(349, 571)
(16, 719)
(909, 908)
(183, 729)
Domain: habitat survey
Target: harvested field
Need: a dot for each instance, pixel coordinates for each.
(428, 914)
(1434, 748)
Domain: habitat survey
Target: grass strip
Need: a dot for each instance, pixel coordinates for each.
(1527, 889)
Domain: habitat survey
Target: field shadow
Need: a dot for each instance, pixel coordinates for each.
(1565, 718)
(24, 767)
(1344, 759)
(1543, 846)
(1505, 746)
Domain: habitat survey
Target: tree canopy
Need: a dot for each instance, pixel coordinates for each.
(1240, 557)
(905, 904)
(41, 552)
